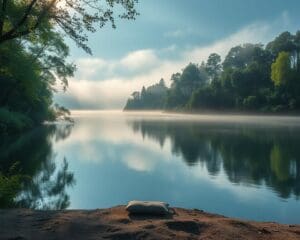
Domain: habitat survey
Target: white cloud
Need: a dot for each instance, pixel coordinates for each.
(98, 68)
(140, 59)
(90, 67)
(139, 161)
(112, 93)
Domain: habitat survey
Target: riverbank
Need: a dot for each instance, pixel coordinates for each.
(235, 112)
(217, 113)
(115, 223)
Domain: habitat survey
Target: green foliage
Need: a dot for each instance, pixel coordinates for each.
(29, 71)
(210, 98)
(151, 98)
(251, 77)
(285, 42)
(10, 185)
(281, 69)
(184, 84)
(213, 66)
(28, 84)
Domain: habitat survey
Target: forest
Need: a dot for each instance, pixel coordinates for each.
(252, 78)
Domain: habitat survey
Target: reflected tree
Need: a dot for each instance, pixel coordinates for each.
(47, 190)
(29, 176)
(10, 185)
(247, 154)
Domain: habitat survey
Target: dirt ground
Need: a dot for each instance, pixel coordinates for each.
(116, 223)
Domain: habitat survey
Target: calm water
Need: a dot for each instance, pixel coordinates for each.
(239, 166)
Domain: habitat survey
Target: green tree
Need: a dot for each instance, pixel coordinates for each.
(150, 98)
(283, 43)
(240, 56)
(246, 71)
(162, 83)
(281, 69)
(183, 85)
(143, 92)
(191, 78)
(30, 75)
(213, 66)
(287, 42)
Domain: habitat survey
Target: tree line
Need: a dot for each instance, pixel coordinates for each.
(252, 77)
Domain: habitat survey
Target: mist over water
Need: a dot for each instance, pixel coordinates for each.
(242, 166)
(238, 166)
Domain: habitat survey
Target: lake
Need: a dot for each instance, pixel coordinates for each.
(239, 166)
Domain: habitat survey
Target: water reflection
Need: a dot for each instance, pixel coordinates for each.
(236, 166)
(29, 175)
(248, 154)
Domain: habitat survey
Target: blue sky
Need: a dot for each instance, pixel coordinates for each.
(166, 36)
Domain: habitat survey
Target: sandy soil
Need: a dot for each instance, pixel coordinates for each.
(115, 223)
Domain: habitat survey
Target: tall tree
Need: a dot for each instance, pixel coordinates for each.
(191, 78)
(283, 43)
(213, 65)
(143, 92)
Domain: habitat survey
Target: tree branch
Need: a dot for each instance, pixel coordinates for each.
(14, 33)
(22, 20)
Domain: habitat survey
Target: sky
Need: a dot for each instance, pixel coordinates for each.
(165, 37)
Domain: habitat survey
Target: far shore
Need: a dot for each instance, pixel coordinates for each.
(242, 113)
(116, 223)
(220, 112)
(186, 112)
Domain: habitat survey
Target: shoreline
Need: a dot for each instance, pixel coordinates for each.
(217, 113)
(116, 223)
